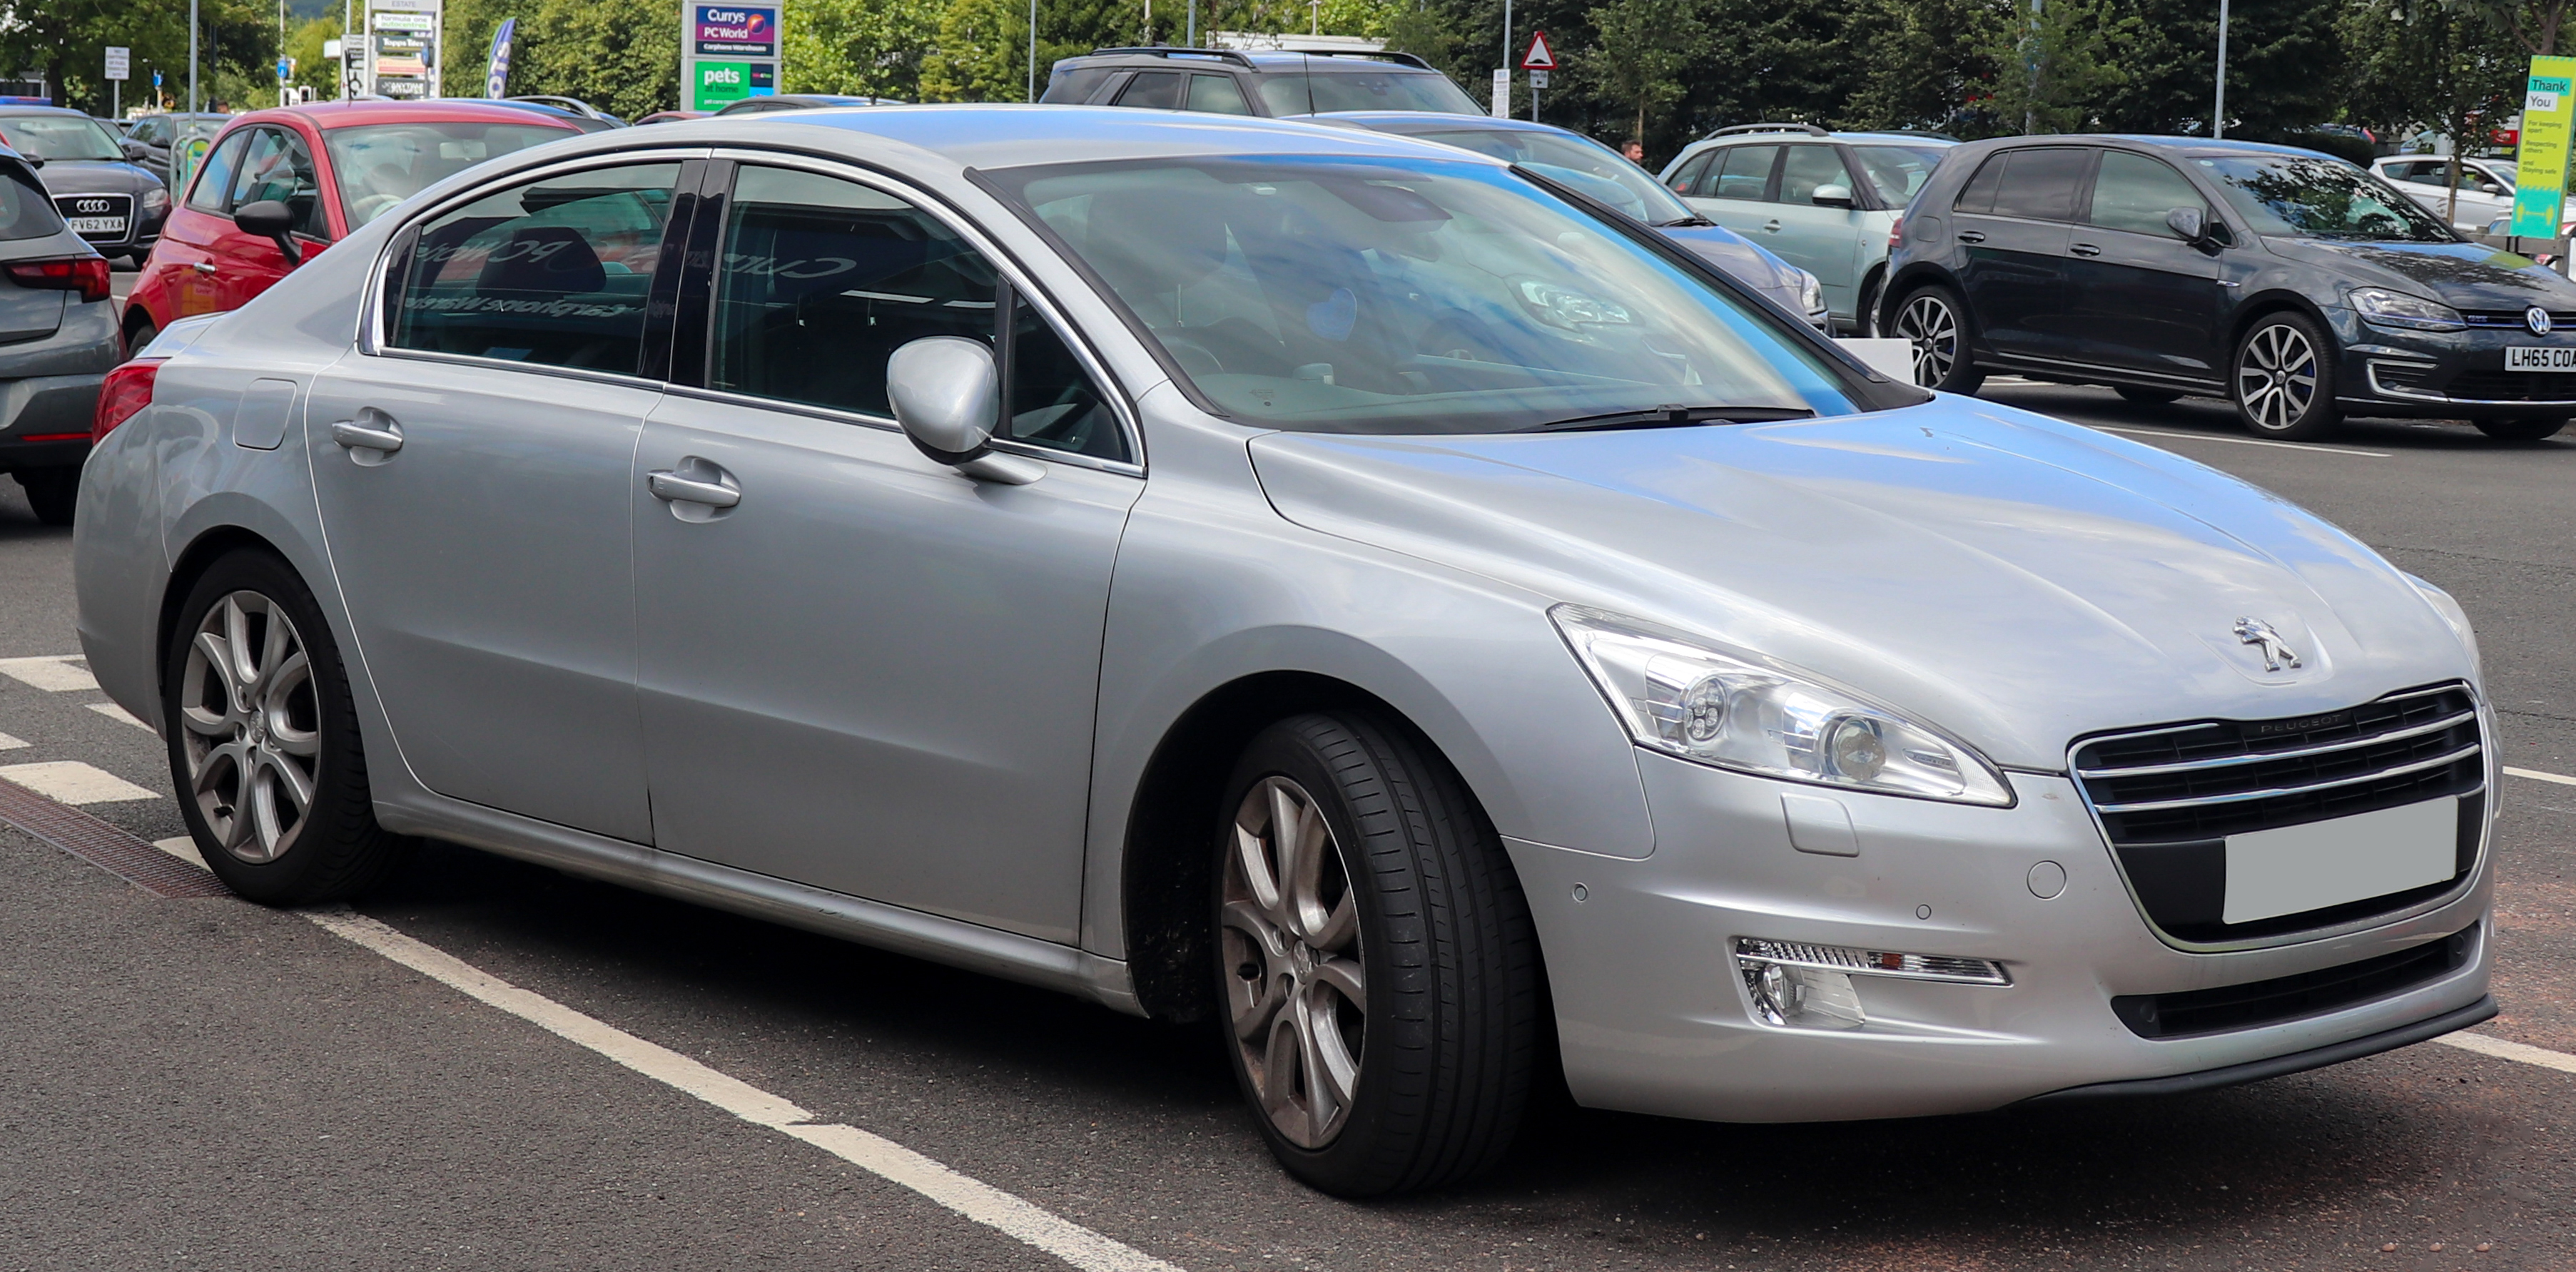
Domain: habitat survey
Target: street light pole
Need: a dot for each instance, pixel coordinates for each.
(2218, 113)
(192, 57)
(1033, 50)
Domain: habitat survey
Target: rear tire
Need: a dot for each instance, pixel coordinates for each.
(1935, 320)
(2520, 430)
(141, 335)
(1396, 888)
(263, 741)
(52, 493)
(2283, 380)
(2148, 397)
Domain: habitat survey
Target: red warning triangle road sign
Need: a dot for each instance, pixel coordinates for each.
(1541, 58)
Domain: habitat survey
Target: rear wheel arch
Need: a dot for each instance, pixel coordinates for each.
(192, 563)
(1909, 278)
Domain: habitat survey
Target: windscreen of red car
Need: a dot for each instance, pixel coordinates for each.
(380, 165)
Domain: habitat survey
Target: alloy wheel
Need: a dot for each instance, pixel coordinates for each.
(251, 726)
(2276, 377)
(1295, 987)
(1934, 332)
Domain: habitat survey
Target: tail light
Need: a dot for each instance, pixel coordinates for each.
(1895, 233)
(84, 274)
(128, 389)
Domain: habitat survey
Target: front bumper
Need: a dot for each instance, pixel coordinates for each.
(1653, 1017)
(2447, 375)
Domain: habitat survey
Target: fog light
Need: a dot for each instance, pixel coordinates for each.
(1794, 983)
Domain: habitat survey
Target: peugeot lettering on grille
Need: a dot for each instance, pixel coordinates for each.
(2276, 653)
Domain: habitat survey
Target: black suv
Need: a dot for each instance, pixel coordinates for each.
(2296, 285)
(1228, 82)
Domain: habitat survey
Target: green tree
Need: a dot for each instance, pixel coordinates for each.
(621, 58)
(2060, 68)
(1638, 53)
(2446, 64)
(871, 48)
(1930, 61)
(2532, 24)
(312, 70)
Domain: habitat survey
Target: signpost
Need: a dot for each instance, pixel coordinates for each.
(1502, 92)
(120, 63)
(402, 42)
(2540, 169)
(496, 77)
(1538, 62)
(728, 52)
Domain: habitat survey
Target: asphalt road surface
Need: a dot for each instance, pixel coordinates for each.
(206, 1083)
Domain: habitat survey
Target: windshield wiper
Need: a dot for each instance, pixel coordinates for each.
(1686, 223)
(1673, 417)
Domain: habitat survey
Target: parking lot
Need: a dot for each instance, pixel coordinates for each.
(205, 1083)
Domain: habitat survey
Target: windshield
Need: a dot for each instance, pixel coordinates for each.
(380, 165)
(1409, 296)
(1323, 91)
(1579, 162)
(57, 137)
(1896, 172)
(2320, 198)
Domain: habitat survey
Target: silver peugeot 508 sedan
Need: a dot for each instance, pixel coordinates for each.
(1319, 583)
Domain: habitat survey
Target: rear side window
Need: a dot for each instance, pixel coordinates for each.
(1217, 94)
(215, 175)
(25, 211)
(1743, 172)
(2042, 184)
(1388, 90)
(553, 273)
(1154, 90)
(2134, 193)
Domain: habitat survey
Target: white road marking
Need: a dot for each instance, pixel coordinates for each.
(57, 673)
(969, 1197)
(2237, 441)
(8, 743)
(2538, 776)
(2503, 1049)
(72, 782)
(119, 714)
(183, 848)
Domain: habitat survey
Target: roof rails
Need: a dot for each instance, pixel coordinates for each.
(1925, 133)
(1402, 59)
(1166, 50)
(1739, 129)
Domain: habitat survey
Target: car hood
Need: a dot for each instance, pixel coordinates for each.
(2018, 580)
(80, 176)
(1741, 259)
(2461, 275)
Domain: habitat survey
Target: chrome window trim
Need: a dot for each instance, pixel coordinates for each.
(1011, 269)
(2485, 790)
(861, 419)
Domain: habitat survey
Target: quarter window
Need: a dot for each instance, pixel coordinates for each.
(1154, 90)
(553, 273)
(1217, 94)
(2134, 192)
(1745, 173)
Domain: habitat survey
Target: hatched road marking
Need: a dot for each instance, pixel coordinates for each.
(882, 1157)
(54, 673)
(119, 714)
(2538, 776)
(2502, 1049)
(8, 743)
(183, 848)
(72, 782)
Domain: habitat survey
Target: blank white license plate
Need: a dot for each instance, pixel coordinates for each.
(2294, 869)
(96, 224)
(2539, 358)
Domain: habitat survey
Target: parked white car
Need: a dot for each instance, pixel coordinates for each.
(2485, 193)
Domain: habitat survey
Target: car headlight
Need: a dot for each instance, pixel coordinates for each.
(156, 201)
(1811, 293)
(2381, 307)
(1689, 697)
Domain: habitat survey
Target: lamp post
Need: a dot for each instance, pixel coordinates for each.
(2218, 112)
(1033, 49)
(192, 57)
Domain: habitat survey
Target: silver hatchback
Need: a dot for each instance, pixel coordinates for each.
(1309, 581)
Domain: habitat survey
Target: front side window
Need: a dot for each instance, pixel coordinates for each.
(1410, 296)
(2135, 193)
(822, 279)
(1895, 173)
(380, 165)
(277, 167)
(1686, 178)
(215, 176)
(2319, 198)
(552, 273)
(1809, 169)
(1744, 173)
(1217, 94)
(2041, 184)
(75, 138)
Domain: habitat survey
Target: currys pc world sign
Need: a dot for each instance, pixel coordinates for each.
(727, 30)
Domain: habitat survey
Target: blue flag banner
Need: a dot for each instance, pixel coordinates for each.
(496, 82)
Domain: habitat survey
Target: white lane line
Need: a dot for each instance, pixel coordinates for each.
(119, 714)
(56, 673)
(72, 782)
(2538, 776)
(8, 743)
(2502, 1049)
(969, 1197)
(2238, 441)
(183, 848)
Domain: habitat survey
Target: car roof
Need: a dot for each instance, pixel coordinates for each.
(1258, 59)
(1408, 121)
(346, 114)
(23, 111)
(2207, 145)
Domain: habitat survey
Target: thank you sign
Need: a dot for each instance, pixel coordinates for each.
(2540, 180)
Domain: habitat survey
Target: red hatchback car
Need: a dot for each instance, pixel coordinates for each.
(332, 167)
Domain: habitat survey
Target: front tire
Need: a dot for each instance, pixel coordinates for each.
(1375, 960)
(2520, 430)
(263, 740)
(2283, 380)
(53, 494)
(1935, 322)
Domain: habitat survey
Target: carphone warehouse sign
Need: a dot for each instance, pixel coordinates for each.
(728, 52)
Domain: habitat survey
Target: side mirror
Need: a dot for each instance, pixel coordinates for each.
(273, 221)
(947, 394)
(1831, 196)
(2186, 224)
(2490, 187)
(134, 150)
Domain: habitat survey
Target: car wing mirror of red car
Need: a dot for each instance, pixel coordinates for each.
(274, 221)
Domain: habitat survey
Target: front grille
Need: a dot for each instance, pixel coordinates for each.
(120, 206)
(2169, 797)
(2512, 386)
(2403, 377)
(2513, 318)
(2270, 1002)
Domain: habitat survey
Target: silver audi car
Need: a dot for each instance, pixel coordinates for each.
(1319, 583)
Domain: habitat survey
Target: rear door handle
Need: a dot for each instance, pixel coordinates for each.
(1972, 236)
(357, 436)
(671, 487)
(2084, 249)
(1772, 225)
(202, 267)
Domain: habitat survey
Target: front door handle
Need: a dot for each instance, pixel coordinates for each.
(672, 487)
(1972, 236)
(357, 436)
(202, 267)
(1771, 226)
(2084, 249)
